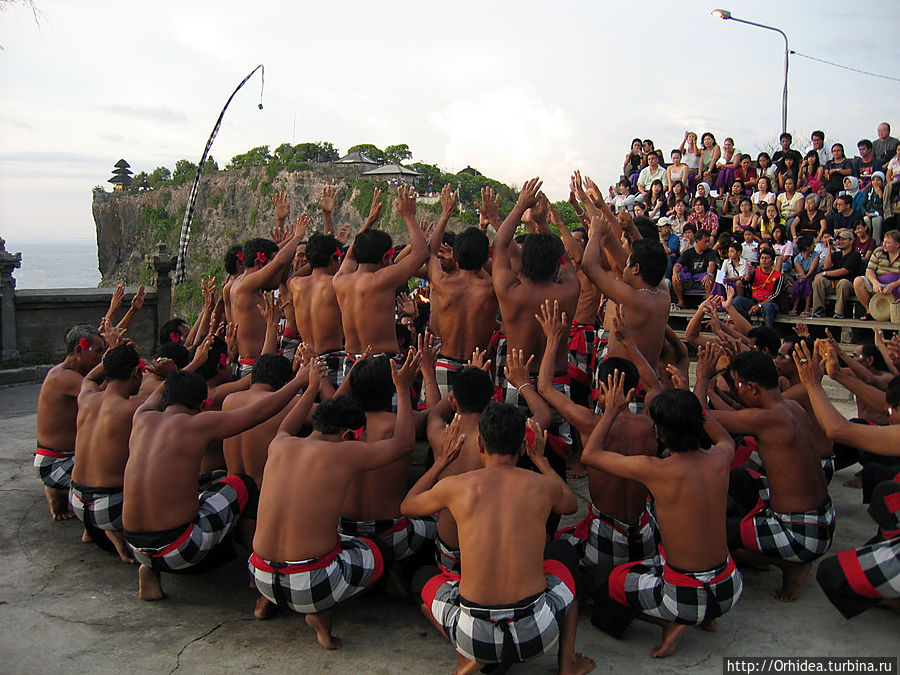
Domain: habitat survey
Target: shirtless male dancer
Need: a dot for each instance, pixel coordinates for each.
(784, 517)
(57, 415)
(696, 581)
(367, 280)
(299, 560)
(266, 267)
(165, 525)
(514, 599)
(101, 445)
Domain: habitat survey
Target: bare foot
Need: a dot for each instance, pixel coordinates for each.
(464, 666)
(710, 626)
(323, 631)
(58, 501)
(86, 537)
(264, 609)
(855, 482)
(671, 633)
(149, 588)
(577, 665)
(793, 576)
(117, 537)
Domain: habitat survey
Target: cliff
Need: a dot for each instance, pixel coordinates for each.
(231, 207)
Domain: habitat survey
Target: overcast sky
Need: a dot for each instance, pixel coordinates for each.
(515, 89)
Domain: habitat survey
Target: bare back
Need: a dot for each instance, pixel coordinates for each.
(367, 311)
(469, 459)
(823, 445)
(57, 411)
(317, 312)
(245, 299)
(101, 447)
(247, 452)
(466, 312)
(376, 494)
(588, 301)
(647, 316)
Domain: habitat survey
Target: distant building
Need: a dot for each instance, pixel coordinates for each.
(393, 173)
(357, 158)
(470, 171)
(121, 175)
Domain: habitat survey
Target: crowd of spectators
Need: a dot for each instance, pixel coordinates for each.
(781, 233)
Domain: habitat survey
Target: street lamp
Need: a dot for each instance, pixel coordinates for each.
(726, 15)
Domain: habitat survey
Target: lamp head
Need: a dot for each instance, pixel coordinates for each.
(721, 13)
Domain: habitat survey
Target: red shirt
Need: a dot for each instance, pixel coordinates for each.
(765, 285)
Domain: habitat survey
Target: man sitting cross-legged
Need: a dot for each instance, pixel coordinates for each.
(514, 600)
(785, 517)
(166, 527)
(695, 581)
(299, 560)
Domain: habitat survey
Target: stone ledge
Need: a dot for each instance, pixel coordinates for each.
(24, 375)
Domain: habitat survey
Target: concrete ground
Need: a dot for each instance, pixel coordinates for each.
(69, 607)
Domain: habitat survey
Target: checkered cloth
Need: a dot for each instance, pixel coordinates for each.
(350, 359)
(289, 344)
(657, 589)
(514, 633)
(318, 584)
(446, 558)
(398, 538)
(445, 371)
(220, 506)
(603, 541)
(601, 351)
(582, 346)
(796, 537)
(336, 364)
(559, 433)
(100, 507)
(54, 468)
(245, 366)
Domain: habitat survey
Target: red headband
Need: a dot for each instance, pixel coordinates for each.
(85, 344)
(175, 336)
(261, 258)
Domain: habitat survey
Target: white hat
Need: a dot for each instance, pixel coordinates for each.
(880, 307)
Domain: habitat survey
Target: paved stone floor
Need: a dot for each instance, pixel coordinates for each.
(69, 607)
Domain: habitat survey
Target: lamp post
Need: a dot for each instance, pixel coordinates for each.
(726, 15)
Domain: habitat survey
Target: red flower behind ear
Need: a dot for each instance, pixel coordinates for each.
(240, 256)
(207, 404)
(529, 437)
(391, 251)
(175, 336)
(223, 360)
(562, 260)
(142, 366)
(84, 344)
(358, 433)
(261, 258)
(339, 253)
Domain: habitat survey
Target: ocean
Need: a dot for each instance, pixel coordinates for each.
(63, 263)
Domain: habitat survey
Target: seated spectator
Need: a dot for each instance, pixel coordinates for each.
(721, 247)
(765, 285)
(703, 217)
(873, 205)
(709, 158)
(789, 169)
(640, 208)
(680, 217)
(687, 238)
(837, 168)
(695, 269)
(843, 216)
(690, 153)
(677, 171)
(790, 202)
(655, 201)
(866, 164)
(727, 165)
(745, 217)
(770, 219)
(634, 161)
(812, 173)
(885, 146)
(735, 267)
(784, 250)
(763, 194)
(811, 221)
(863, 243)
(765, 167)
(653, 171)
(839, 269)
(851, 190)
(750, 247)
(677, 190)
(826, 200)
(731, 203)
(806, 263)
(746, 173)
(623, 200)
(670, 242)
(882, 272)
(822, 246)
(893, 170)
(818, 145)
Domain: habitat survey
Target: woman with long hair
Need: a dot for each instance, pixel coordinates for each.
(811, 173)
(770, 219)
(655, 201)
(784, 249)
(745, 218)
(709, 157)
(731, 203)
(727, 165)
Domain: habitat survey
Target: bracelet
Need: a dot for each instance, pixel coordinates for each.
(527, 384)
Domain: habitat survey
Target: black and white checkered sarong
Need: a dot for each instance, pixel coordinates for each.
(100, 507)
(516, 633)
(657, 589)
(445, 371)
(398, 538)
(446, 558)
(220, 506)
(54, 468)
(336, 364)
(318, 584)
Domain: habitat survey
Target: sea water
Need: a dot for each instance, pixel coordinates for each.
(61, 263)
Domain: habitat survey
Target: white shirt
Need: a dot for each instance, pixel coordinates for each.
(647, 177)
(750, 252)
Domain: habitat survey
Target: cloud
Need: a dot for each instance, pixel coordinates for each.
(158, 113)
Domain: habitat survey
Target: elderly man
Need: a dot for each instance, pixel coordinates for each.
(841, 267)
(885, 146)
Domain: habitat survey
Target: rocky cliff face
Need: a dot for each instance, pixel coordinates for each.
(231, 207)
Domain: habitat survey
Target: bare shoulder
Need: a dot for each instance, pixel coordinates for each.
(235, 400)
(637, 432)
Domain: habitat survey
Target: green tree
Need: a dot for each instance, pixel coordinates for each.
(158, 177)
(370, 150)
(327, 152)
(184, 172)
(395, 154)
(258, 156)
(140, 182)
(210, 165)
(567, 213)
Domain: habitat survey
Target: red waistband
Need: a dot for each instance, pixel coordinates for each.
(314, 564)
(175, 544)
(682, 579)
(247, 361)
(55, 454)
(291, 334)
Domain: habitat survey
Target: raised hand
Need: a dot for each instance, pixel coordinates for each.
(528, 195)
(282, 206)
(406, 202)
(406, 305)
(231, 331)
(448, 199)
(327, 198)
(801, 329)
(517, 369)
(552, 323)
(428, 349)
(679, 377)
(535, 440)
(729, 297)
(477, 360)
(316, 371)
(488, 212)
(427, 228)
(593, 192)
(138, 300)
(576, 186)
(162, 368)
(208, 290)
(452, 443)
(614, 394)
(202, 352)
(343, 233)
(374, 210)
(300, 226)
(270, 311)
(708, 359)
(114, 337)
(279, 234)
(807, 368)
(829, 354)
(404, 377)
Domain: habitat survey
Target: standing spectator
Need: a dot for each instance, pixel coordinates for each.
(653, 171)
(790, 202)
(873, 205)
(812, 173)
(765, 166)
(836, 168)
(703, 217)
(670, 242)
(806, 262)
(765, 285)
(690, 153)
(818, 144)
(863, 243)
(746, 174)
(726, 166)
(695, 269)
(866, 164)
(885, 146)
(843, 216)
(770, 219)
(763, 194)
(882, 272)
(811, 221)
(839, 269)
(745, 217)
(634, 161)
(709, 157)
(786, 150)
(677, 172)
(784, 250)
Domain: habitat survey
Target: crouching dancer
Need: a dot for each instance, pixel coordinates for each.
(695, 580)
(515, 599)
(299, 560)
(166, 527)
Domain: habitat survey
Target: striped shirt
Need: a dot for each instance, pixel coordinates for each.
(880, 263)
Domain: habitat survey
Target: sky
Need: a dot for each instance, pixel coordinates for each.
(514, 89)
